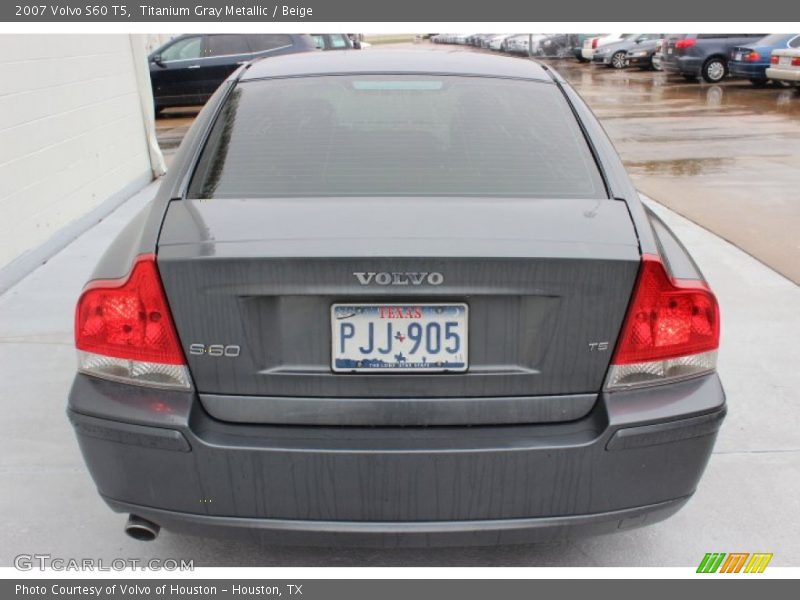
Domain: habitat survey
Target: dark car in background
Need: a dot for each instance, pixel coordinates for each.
(703, 55)
(188, 69)
(465, 328)
(643, 54)
(557, 45)
(752, 61)
(614, 55)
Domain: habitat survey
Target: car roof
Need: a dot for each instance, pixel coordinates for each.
(395, 61)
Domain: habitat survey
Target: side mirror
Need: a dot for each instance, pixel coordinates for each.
(157, 60)
(357, 44)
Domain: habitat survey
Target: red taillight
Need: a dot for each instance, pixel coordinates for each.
(796, 62)
(671, 329)
(774, 60)
(685, 43)
(594, 42)
(667, 318)
(124, 329)
(752, 57)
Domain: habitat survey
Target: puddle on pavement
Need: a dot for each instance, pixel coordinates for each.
(679, 167)
(635, 90)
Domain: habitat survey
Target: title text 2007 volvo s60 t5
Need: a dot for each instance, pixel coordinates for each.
(396, 297)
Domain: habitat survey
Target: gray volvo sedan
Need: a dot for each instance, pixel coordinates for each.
(396, 298)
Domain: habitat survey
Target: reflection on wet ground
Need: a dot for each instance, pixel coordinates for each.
(726, 156)
(679, 166)
(171, 126)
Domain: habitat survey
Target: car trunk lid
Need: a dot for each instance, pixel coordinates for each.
(546, 281)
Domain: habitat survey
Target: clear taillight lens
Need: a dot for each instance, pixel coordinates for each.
(124, 330)
(671, 330)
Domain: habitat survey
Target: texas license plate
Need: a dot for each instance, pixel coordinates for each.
(738, 56)
(785, 60)
(399, 337)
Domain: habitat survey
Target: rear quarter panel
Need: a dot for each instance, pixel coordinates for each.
(140, 236)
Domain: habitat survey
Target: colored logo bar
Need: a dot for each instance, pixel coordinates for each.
(734, 562)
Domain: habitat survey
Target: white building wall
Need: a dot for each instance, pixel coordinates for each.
(72, 133)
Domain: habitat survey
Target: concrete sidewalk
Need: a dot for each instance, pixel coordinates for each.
(748, 500)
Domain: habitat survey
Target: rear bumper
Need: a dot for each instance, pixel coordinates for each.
(404, 534)
(639, 61)
(634, 460)
(683, 65)
(747, 70)
(783, 74)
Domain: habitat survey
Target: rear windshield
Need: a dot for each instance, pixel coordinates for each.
(395, 136)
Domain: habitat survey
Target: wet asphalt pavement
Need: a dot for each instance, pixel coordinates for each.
(725, 156)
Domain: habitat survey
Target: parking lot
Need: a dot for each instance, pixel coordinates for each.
(722, 163)
(712, 153)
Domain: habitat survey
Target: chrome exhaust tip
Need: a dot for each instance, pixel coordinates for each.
(141, 529)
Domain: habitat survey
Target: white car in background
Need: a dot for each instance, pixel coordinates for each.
(450, 38)
(785, 65)
(496, 43)
(656, 60)
(590, 45)
(520, 44)
(536, 42)
(461, 38)
(517, 43)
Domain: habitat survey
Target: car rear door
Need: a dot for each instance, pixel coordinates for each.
(175, 72)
